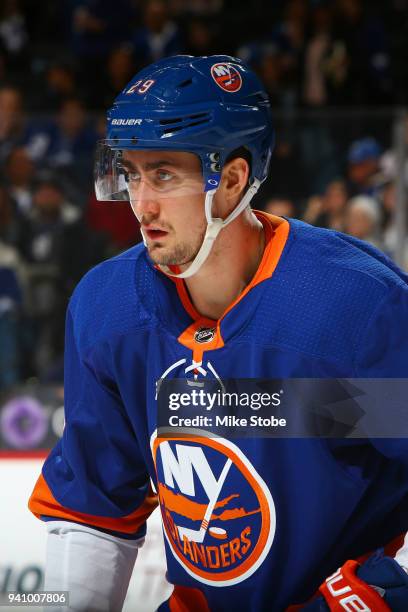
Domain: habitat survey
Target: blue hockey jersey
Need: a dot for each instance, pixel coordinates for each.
(249, 524)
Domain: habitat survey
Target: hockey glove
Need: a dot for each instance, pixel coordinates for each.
(378, 585)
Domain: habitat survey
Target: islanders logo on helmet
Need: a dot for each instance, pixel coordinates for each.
(227, 76)
(218, 514)
(177, 104)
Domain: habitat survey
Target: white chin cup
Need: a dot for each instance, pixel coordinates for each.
(214, 226)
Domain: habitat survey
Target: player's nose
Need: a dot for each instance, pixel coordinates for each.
(144, 202)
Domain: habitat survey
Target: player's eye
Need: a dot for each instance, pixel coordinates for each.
(131, 177)
(163, 175)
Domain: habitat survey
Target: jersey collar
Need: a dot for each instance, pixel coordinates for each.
(216, 333)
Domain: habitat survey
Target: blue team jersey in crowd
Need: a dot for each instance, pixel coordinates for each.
(284, 513)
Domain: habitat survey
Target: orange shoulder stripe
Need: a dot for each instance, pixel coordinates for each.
(42, 502)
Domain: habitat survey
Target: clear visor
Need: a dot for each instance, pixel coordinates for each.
(145, 174)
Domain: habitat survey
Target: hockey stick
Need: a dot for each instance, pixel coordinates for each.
(198, 535)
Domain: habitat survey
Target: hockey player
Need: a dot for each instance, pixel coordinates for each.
(220, 291)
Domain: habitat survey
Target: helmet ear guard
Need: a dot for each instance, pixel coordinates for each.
(214, 107)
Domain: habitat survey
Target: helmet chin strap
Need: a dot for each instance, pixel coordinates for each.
(214, 226)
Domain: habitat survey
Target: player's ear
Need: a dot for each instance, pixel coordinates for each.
(235, 177)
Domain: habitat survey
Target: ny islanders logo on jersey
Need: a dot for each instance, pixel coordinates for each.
(226, 76)
(218, 514)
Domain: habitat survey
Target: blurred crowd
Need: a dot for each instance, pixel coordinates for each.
(335, 71)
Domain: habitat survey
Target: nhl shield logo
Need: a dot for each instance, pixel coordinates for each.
(204, 334)
(226, 76)
(218, 514)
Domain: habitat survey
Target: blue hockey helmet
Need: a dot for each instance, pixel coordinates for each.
(210, 106)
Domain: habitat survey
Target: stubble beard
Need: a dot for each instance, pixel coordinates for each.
(181, 254)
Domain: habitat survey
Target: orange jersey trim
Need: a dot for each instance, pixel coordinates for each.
(43, 503)
(276, 235)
